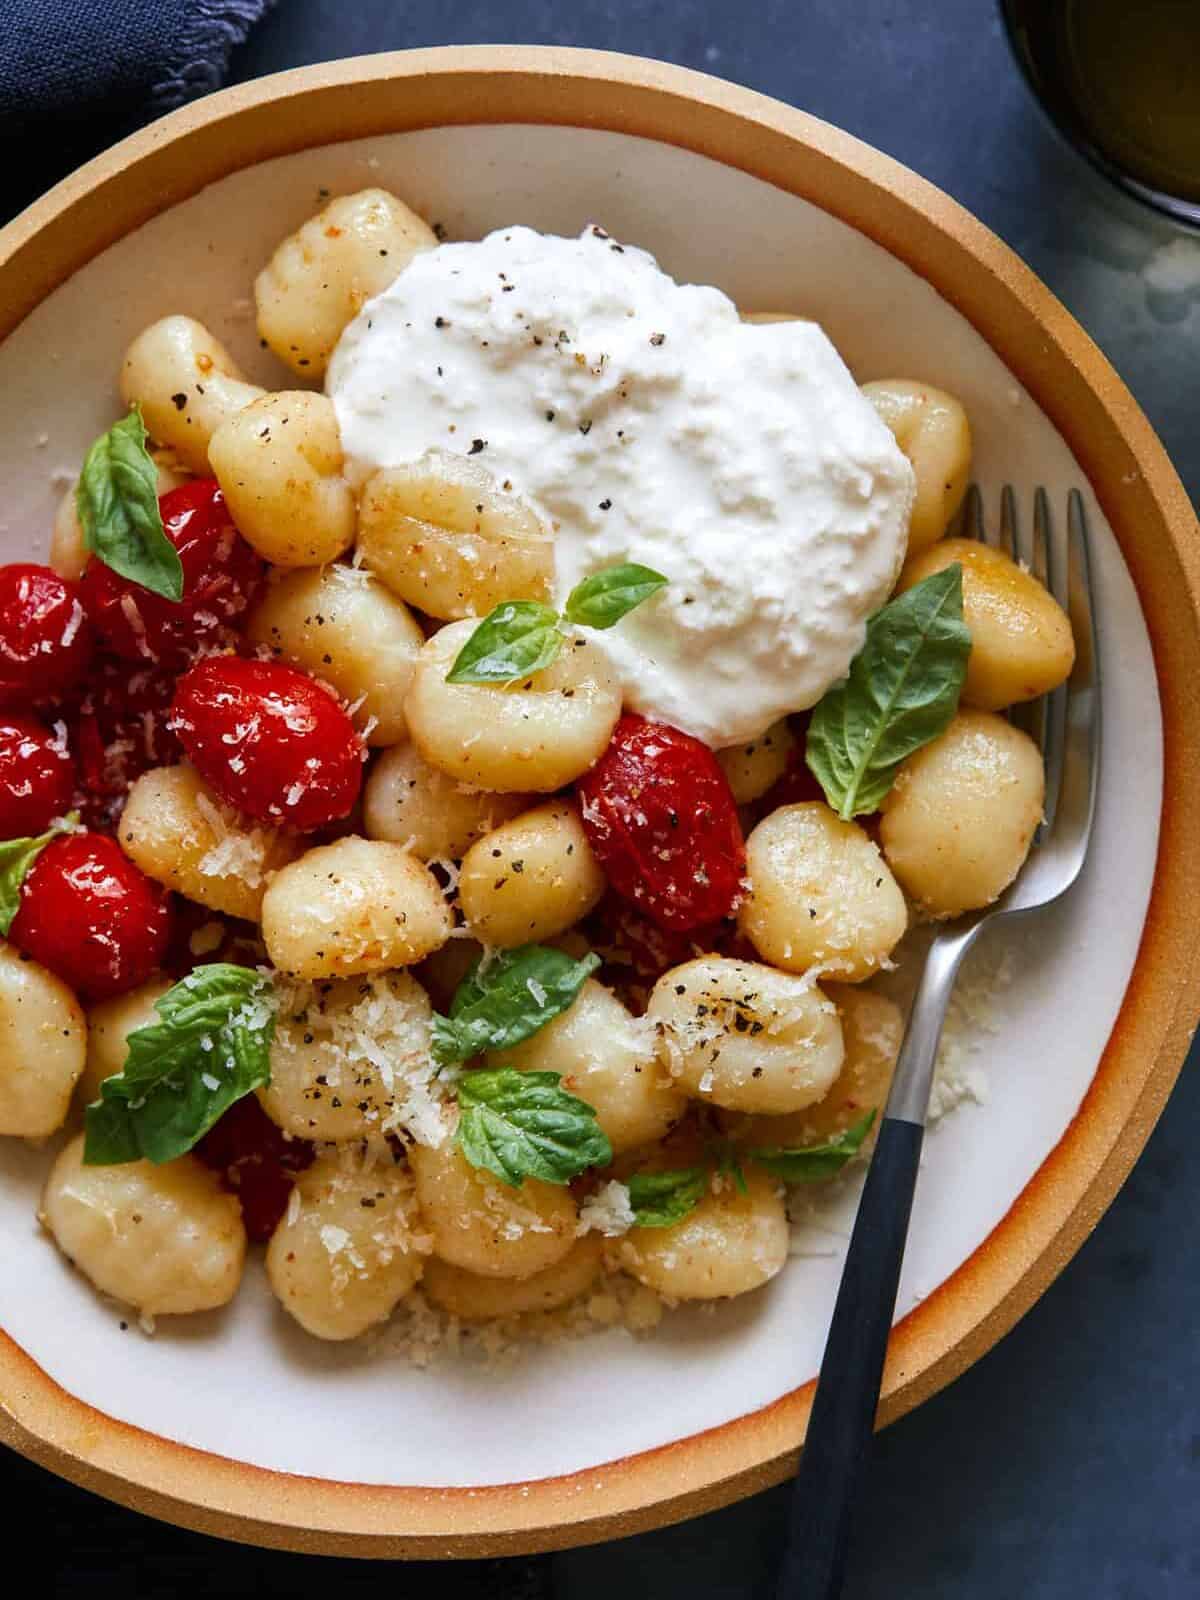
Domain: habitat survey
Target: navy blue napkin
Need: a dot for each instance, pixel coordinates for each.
(76, 75)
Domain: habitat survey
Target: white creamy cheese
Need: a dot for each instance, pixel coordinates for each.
(646, 422)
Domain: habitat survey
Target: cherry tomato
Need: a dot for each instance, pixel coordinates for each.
(658, 812)
(221, 575)
(257, 1162)
(270, 740)
(120, 731)
(200, 935)
(628, 940)
(89, 915)
(46, 638)
(37, 776)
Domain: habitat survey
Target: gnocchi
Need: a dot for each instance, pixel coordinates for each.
(341, 625)
(357, 905)
(279, 464)
(533, 735)
(1021, 642)
(733, 1242)
(872, 1031)
(43, 1045)
(340, 1048)
(164, 1240)
(109, 1025)
(475, 1297)
(442, 536)
(436, 817)
(349, 1249)
(607, 1057)
(531, 879)
(745, 1036)
(179, 833)
(820, 895)
(481, 1225)
(961, 816)
(185, 383)
(321, 276)
(754, 768)
(931, 428)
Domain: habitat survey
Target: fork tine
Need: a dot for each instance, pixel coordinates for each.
(1008, 522)
(1084, 709)
(1042, 534)
(1050, 565)
(972, 514)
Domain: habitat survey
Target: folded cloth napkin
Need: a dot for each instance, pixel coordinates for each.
(76, 75)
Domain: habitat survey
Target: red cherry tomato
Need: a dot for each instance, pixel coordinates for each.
(89, 915)
(658, 812)
(631, 943)
(46, 637)
(37, 776)
(121, 730)
(257, 1162)
(221, 575)
(270, 740)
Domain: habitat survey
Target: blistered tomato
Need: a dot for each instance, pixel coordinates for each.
(659, 814)
(221, 575)
(89, 915)
(120, 731)
(37, 776)
(257, 1161)
(270, 740)
(45, 636)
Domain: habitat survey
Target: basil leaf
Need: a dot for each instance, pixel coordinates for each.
(181, 1074)
(517, 993)
(522, 1125)
(518, 638)
(901, 692)
(661, 1199)
(607, 596)
(117, 502)
(16, 858)
(814, 1162)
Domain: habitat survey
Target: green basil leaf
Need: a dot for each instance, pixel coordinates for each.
(518, 638)
(16, 858)
(814, 1162)
(901, 692)
(517, 993)
(607, 596)
(117, 501)
(522, 1125)
(211, 1047)
(661, 1199)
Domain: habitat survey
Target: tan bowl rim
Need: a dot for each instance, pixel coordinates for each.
(1155, 525)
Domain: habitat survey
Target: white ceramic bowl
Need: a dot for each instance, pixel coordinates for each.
(237, 1422)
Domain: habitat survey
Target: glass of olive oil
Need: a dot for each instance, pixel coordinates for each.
(1121, 80)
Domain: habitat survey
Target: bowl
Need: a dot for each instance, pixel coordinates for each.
(238, 1425)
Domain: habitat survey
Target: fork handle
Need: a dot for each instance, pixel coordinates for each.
(843, 1414)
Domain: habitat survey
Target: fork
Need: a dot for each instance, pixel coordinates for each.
(1066, 724)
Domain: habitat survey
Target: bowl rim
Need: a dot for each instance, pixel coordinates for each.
(1156, 528)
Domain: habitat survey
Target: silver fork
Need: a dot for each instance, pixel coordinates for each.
(1067, 726)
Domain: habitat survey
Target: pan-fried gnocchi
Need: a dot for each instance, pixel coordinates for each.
(531, 879)
(164, 1240)
(350, 1247)
(443, 536)
(526, 987)
(536, 734)
(341, 625)
(409, 802)
(321, 276)
(185, 384)
(279, 464)
(358, 905)
(43, 1045)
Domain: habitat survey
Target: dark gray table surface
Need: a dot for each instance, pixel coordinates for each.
(1067, 1462)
